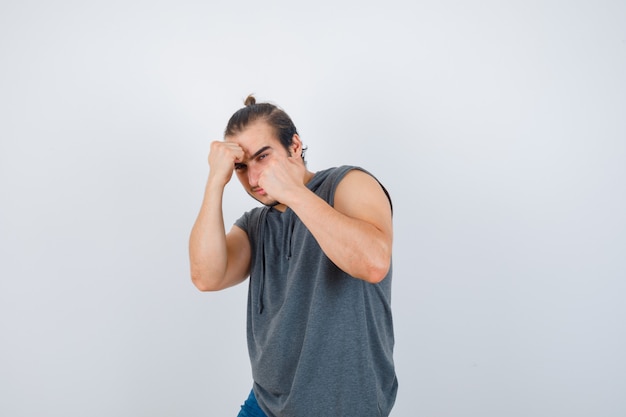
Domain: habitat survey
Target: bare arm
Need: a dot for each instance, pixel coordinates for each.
(357, 233)
(217, 260)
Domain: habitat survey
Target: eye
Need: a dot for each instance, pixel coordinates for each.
(240, 166)
(261, 157)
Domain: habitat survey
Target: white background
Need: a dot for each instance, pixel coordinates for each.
(498, 127)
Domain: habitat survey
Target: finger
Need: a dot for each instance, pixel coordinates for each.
(239, 154)
(234, 149)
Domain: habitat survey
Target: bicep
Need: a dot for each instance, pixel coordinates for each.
(239, 255)
(360, 196)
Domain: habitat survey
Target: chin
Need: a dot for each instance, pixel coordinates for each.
(265, 201)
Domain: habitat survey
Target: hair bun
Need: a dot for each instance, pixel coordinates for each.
(250, 101)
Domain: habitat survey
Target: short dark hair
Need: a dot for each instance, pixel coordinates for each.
(267, 112)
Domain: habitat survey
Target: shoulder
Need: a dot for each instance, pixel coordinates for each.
(358, 192)
(250, 220)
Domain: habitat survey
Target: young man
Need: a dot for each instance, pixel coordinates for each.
(318, 254)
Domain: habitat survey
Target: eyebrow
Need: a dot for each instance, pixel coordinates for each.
(257, 153)
(260, 151)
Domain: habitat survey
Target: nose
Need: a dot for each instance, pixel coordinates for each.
(253, 176)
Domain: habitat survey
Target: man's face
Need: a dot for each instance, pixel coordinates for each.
(260, 145)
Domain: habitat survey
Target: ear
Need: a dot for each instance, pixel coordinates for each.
(296, 146)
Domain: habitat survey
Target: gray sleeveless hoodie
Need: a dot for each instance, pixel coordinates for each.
(320, 341)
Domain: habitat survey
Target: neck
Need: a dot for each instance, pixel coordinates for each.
(308, 176)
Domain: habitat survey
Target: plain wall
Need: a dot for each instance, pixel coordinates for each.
(498, 127)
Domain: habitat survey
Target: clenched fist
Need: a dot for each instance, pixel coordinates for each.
(222, 159)
(282, 177)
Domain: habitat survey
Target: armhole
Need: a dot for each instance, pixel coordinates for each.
(340, 175)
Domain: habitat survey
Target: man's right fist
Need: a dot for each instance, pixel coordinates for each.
(222, 158)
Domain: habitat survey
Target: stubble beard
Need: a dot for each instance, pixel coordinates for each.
(271, 203)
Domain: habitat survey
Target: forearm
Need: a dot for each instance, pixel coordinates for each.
(354, 245)
(208, 252)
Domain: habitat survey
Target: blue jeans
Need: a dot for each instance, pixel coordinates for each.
(251, 408)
